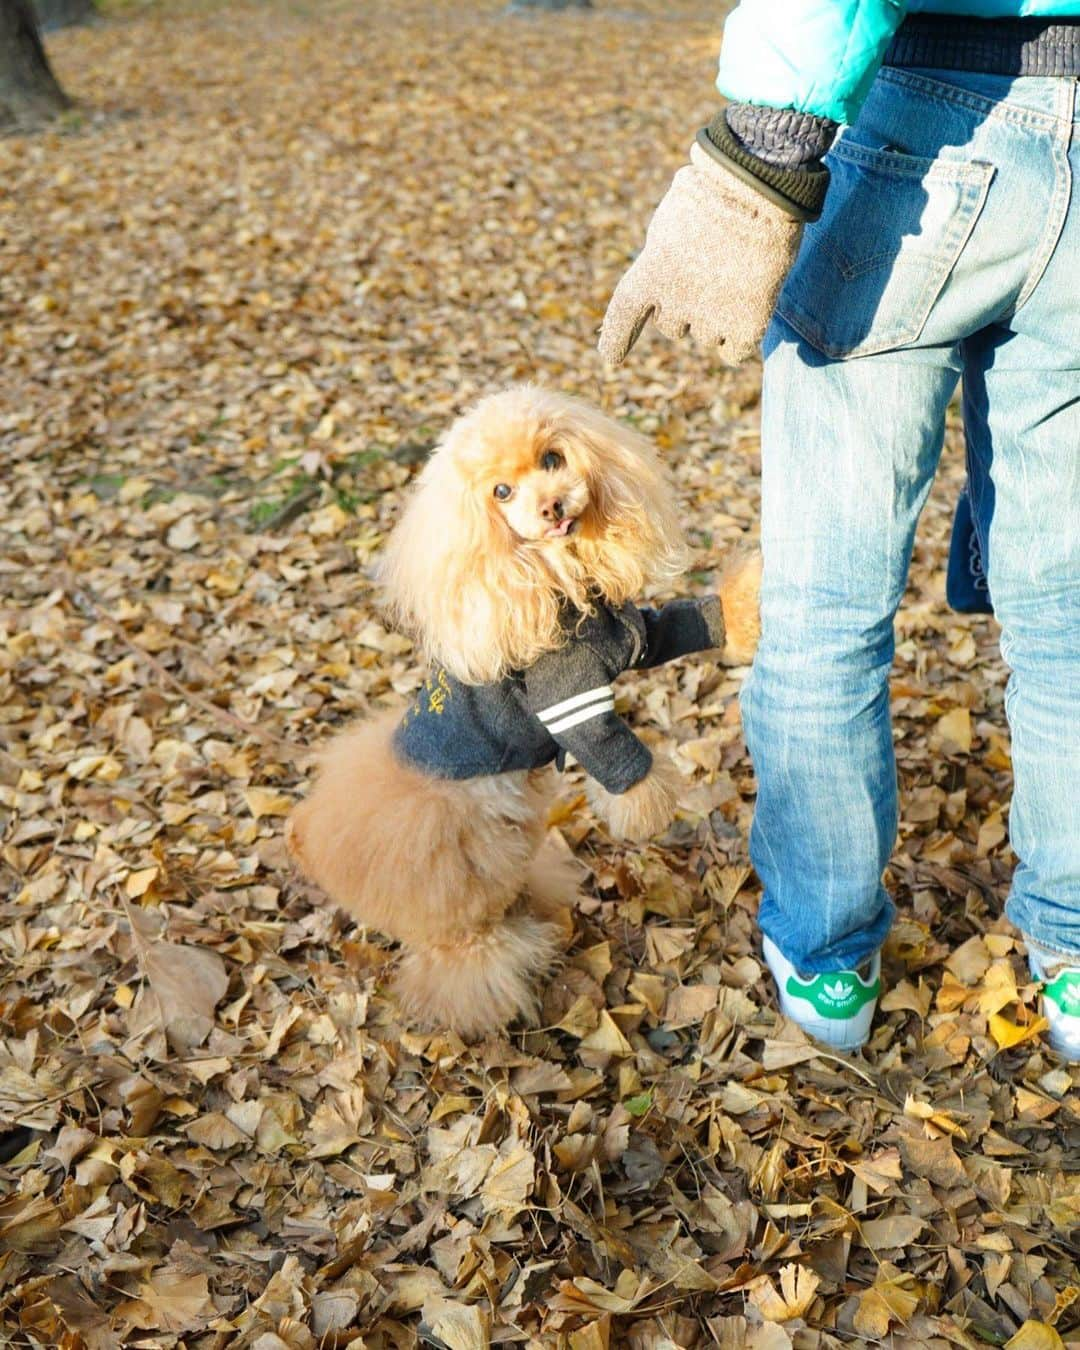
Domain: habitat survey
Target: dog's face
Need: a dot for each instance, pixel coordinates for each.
(536, 487)
(532, 501)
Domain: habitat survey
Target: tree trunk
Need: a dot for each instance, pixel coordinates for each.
(54, 14)
(29, 92)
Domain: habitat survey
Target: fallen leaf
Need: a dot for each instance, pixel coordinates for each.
(458, 1327)
(894, 1230)
(891, 1300)
(1035, 1336)
(955, 728)
(1006, 1034)
(266, 802)
(798, 1288)
(607, 1038)
(186, 983)
(171, 1300)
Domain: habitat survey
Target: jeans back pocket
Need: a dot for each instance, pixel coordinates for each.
(870, 270)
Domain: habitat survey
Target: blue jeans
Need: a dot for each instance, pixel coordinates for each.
(949, 247)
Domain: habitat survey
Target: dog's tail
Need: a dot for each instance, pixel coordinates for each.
(482, 981)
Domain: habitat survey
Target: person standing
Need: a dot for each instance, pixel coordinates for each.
(891, 200)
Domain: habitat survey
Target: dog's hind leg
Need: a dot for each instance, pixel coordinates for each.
(553, 882)
(480, 980)
(493, 933)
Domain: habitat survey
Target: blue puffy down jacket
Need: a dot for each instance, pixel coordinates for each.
(821, 56)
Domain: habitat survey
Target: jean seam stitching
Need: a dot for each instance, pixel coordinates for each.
(952, 97)
(963, 173)
(1059, 206)
(900, 336)
(971, 195)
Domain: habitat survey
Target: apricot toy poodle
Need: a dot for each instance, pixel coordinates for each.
(514, 566)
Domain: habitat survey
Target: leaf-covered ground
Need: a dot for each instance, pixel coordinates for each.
(240, 292)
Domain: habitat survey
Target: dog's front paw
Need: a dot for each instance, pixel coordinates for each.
(740, 594)
(641, 811)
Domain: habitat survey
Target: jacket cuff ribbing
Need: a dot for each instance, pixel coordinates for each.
(785, 137)
(800, 192)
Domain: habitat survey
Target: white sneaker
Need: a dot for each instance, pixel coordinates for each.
(836, 1008)
(1061, 1000)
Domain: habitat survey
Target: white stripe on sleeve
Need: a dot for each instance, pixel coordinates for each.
(558, 710)
(582, 715)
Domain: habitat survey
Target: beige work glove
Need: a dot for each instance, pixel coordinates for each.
(716, 254)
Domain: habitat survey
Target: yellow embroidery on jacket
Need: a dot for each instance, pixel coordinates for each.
(438, 695)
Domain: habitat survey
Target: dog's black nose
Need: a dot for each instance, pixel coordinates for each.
(554, 510)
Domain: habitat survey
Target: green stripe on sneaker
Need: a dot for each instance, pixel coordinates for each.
(836, 996)
(1065, 992)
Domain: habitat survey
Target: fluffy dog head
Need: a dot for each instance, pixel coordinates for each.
(532, 499)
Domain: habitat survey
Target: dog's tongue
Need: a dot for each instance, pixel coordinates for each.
(564, 527)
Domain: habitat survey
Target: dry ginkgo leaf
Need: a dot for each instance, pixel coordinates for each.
(891, 1300)
(893, 1230)
(186, 984)
(1007, 1034)
(459, 1327)
(798, 1287)
(1035, 1336)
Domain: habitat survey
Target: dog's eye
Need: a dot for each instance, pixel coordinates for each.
(551, 461)
(503, 492)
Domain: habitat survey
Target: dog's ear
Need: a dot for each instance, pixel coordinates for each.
(639, 537)
(450, 576)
